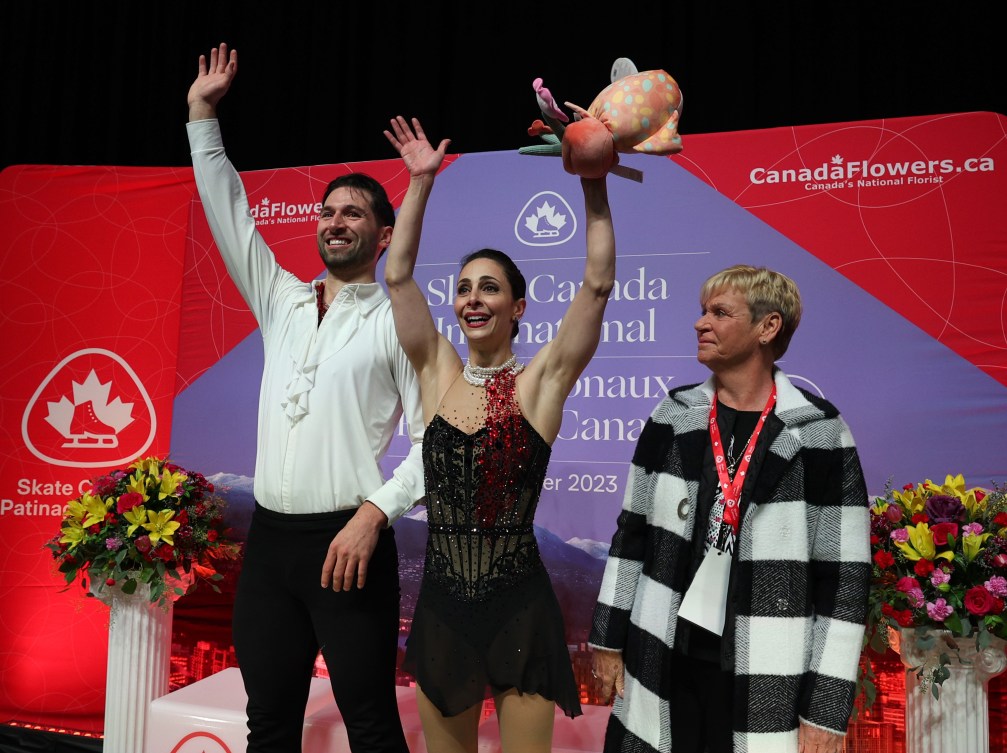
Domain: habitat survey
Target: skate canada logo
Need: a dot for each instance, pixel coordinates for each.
(90, 411)
(546, 220)
(839, 172)
(269, 212)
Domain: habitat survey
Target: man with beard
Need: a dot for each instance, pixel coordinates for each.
(334, 385)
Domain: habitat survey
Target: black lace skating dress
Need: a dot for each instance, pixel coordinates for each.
(487, 618)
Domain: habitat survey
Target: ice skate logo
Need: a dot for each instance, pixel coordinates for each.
(78, 420)
(546, 220)
(201, 742)
(90, 411)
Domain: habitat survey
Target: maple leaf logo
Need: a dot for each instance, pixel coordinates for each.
(90, 419)
(837, 160)
(553, 221)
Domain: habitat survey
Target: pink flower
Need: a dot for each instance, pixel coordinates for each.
(939, 610)
(997, 585)
(940, 578)
(915, 598)
(972, 529)
(900, 535)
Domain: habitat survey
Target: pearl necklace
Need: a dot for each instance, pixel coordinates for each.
(478, 375)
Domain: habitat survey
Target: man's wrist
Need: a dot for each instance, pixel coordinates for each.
(372, 515)
(200, 110)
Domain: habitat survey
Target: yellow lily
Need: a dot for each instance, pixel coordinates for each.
(137, 483)
(953, 486)
(87, 510)
(161, 527)
(972, 544)
(95, 509)
(73, 534)
(169, 484)
(921, 544)
(912, 500)
(972, 504)
(136, 518)
(147, 467)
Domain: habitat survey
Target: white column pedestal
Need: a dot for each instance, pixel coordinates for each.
(139, 657)
(959, 719)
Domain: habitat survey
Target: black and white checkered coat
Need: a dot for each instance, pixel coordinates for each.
(799, 582)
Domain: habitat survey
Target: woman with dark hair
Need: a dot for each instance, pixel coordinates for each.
(487, 621)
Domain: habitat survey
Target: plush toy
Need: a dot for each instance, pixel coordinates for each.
(637, 112)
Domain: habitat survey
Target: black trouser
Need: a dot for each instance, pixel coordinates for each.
(701, 702)
(282, 616)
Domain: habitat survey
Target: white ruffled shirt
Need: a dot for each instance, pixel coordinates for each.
(332, 394)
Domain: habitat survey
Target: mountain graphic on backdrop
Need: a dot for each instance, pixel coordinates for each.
(575, 566)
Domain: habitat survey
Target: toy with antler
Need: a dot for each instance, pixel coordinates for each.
(636, 113)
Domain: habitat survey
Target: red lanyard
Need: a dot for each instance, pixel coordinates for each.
(732, 488)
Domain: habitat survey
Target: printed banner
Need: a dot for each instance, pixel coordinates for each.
(894, 230)
(91, 277)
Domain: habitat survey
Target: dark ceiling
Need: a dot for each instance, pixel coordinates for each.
(105, 83)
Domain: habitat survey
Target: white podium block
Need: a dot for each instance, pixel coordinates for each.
(208, 716)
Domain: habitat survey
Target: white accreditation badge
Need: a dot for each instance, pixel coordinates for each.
(705, 603)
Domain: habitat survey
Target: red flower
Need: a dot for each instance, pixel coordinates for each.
(941, 531)
(907, 487)
(920, 517)
(1000, 560)
(183, 517)
(923, 568)
(903, 616)
(143, 544)
(212, 535)
(875, 539)
(128, 501)
(165, 552)
(907, 584)
(980, 495)
(1000, 519)
(979, 601)
(110, 582)
(882, 558)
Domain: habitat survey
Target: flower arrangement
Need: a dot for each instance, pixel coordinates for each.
(153, 523)
(939, 563)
